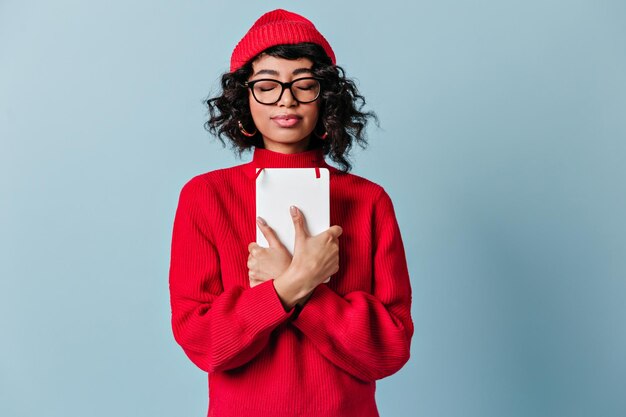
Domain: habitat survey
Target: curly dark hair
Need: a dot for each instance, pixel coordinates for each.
(340, 107)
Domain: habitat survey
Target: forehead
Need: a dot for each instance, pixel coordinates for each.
(279, 66)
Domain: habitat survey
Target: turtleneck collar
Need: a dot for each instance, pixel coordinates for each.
(264, 158)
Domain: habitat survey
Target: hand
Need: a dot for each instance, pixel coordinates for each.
(315, 258)
(267, 263)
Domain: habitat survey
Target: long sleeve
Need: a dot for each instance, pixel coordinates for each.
(217, 329)
(367, 335)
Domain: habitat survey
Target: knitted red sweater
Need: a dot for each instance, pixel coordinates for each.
(262, 361)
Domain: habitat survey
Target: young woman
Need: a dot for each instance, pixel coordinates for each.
(275, 339)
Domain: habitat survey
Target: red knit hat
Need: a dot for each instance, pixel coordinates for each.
(276, 28)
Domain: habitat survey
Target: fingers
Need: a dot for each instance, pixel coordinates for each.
(255, 279)
(268, 232)
(299, 223)
(255, 282)
(254, 250)
(335, 231)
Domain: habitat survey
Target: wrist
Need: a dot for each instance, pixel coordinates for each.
(304, 299)
(291, 288)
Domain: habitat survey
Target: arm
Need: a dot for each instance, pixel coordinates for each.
(367, 335)
(217, 329)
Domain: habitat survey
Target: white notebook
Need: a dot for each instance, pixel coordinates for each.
(279, 188)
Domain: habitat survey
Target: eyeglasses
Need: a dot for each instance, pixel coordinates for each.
(268, 91)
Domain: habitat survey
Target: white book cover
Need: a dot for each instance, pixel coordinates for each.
(279, 188)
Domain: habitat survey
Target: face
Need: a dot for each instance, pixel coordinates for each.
(287, 125)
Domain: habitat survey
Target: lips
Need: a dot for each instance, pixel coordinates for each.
(286, 120)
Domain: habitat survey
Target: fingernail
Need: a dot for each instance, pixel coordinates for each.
(293, 210)
(260, 221)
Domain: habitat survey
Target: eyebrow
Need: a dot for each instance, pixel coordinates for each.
(273, 72)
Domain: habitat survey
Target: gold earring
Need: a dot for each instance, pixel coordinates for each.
(244, 131)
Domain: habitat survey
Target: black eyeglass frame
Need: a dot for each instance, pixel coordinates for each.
(250, 85)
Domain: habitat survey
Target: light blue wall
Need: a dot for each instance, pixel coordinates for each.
(502, 144)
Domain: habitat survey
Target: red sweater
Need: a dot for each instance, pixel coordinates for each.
(262, 361)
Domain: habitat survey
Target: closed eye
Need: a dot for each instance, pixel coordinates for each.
(306, 85)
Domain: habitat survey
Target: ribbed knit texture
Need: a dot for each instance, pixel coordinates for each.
(263, 361)
(276, 28)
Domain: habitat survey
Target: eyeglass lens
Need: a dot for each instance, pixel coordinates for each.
(269, 91)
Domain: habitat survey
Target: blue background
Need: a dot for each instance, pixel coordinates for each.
(502, 145)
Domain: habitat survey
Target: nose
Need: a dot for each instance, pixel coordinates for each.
(287, 99)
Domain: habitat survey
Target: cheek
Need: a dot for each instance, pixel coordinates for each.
(254, 110)
(314, 113)
(258, 113)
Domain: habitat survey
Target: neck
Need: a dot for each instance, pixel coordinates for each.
(265, 158)
(289, 148)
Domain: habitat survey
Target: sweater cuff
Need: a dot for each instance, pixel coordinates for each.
(325, 308)
(261, 308)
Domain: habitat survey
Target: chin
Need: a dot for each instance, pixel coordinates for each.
(289, 137)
